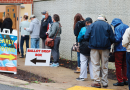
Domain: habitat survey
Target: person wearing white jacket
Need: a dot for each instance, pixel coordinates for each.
(126, 43)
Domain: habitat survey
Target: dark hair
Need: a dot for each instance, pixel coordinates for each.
(77, 17)
(89, 20)
(56, 17)
(25, 16)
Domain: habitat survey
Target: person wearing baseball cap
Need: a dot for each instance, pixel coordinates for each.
(84, 52)
(34, 29)
(100, 36)
(45, 24)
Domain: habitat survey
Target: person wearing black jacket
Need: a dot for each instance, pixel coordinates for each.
(44, 26)
(78, 24)
(7, 23)
(1, 21)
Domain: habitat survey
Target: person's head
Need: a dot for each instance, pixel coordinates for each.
(88, 21)
(32, 17)
(56, 18)
(102, 17)
(45, 14)
(78, 17)
(7, 15)
(25, 17)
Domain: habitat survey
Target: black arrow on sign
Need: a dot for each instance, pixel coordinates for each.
(39, 61)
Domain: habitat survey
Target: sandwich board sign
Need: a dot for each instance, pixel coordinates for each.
(8, 52)
(38, 57)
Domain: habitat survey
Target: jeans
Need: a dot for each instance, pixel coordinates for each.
(26, 37)
(78, 59)
(128, 67)
(35, 42)
(55, 50)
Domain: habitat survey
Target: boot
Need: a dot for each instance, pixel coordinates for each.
(77, 70)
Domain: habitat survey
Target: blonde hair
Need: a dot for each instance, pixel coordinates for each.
(7, 15)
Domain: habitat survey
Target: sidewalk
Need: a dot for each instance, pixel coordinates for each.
(64, 78)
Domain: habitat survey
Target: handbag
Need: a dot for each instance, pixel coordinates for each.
(84, 49)
(50, 42)
(75, 47)
(111, 57)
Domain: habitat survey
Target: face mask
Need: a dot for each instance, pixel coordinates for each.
(43, 16)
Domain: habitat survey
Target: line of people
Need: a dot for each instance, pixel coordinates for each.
(99, 37)
(48, 28)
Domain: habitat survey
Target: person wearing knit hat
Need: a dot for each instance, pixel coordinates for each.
(100, 36)
(102, 17)
(84, 52)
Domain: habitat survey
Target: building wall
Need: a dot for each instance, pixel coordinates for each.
(67, 9)
(17, 1)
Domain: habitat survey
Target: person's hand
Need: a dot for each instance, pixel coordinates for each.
(24, 28)
(46, 33)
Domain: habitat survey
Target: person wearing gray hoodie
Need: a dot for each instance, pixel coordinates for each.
(34, 29)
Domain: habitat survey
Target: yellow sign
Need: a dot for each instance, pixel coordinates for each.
(86, 88)
(10, 57)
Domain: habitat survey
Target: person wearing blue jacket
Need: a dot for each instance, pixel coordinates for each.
(120, 52)
(100, 36)
(84, 52)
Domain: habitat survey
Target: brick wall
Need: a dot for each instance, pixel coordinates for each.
(17, 1)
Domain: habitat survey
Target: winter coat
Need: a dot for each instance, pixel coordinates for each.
(43, 28)
(126, 39)
(83, 43)
(7, 23)
(100, 35)
(119, 28)
(24, 24)
(34, 28)
(78, 27)
(53, 30)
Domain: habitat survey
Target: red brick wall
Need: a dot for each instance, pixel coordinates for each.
(17, 1)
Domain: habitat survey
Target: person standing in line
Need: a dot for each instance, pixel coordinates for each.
(7, 23)
(45, 24)
(34, 29)
(1, 21)
(24, 34)
(125, 43)
(100, 36)
(56, 27)
(84, 52)
(120, 52)
(78, 24)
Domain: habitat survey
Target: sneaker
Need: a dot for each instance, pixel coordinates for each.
(54, 65)
(51, 63)
(77, 70)
(57, 64)
(118, 84)
(80, 79)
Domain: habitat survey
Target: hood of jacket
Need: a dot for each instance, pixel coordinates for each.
(116, 21)
(8, 20)
(36, 21)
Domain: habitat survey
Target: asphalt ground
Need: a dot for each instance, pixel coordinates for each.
(7, 87)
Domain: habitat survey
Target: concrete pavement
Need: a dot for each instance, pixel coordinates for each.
(65, 79)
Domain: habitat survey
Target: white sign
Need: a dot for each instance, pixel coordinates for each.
(38, 57)
(26, 14)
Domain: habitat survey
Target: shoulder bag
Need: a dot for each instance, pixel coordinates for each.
(49, 41)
